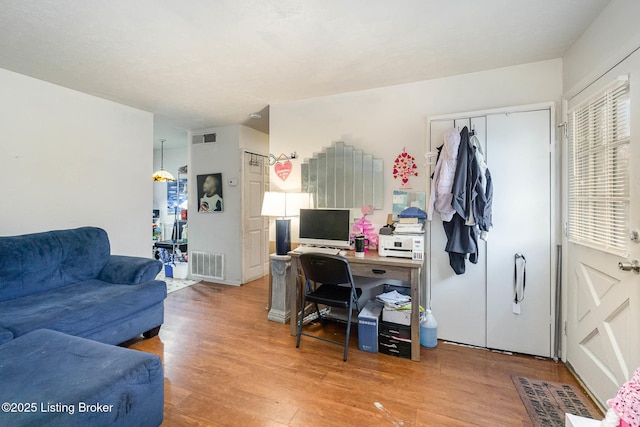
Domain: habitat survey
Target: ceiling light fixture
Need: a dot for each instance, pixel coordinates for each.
(162, 175)
(255, 116)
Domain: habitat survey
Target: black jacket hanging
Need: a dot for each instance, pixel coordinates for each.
(467, 178)
(461, 238)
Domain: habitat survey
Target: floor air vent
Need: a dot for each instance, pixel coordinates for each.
(207, 266)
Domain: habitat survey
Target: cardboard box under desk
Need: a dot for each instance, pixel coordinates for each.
(401, 317)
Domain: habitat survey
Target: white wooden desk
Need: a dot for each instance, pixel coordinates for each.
(372, 265)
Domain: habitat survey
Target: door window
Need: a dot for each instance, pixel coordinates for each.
(599, 136)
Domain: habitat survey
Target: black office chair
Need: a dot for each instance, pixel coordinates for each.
(328, 272)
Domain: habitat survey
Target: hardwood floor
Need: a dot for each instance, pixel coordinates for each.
(227, 365)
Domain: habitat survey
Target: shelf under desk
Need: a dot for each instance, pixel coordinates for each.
(375, 266)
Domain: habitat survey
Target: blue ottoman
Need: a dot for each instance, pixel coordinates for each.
(48, 378)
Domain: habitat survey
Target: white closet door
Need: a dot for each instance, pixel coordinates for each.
(476, 308)
(518, 156)
(458, 301)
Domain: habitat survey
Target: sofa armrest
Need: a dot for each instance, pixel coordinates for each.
(129, 270)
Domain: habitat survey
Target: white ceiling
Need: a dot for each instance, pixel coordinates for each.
(201, 63)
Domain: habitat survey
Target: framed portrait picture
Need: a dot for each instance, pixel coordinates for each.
(210, 193)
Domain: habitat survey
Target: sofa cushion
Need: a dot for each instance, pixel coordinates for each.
(34, 263)
(62, 375)
(80, 308)
(5, 335)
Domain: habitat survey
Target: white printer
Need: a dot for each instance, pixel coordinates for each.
(407, 241)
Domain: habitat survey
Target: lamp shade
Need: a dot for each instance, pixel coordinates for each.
(279, 204)
(162, 176)
(273, 204)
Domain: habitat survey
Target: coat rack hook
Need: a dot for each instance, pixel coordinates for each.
(281, 158)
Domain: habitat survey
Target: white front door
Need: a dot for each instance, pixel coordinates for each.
(255, 231)
(603, 302)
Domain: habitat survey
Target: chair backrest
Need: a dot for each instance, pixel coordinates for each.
(327, 269)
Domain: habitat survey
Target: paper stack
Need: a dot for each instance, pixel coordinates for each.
(397, 307)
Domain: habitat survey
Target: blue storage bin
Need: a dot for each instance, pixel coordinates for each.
(368, 321)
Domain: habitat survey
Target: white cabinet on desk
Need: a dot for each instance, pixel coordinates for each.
(373, 266)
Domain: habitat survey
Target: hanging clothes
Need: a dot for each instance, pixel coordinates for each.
(481, 211)
(462, 193)
(467, 177)
(462, 240)
(443, 176)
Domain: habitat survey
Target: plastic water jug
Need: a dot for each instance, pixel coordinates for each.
(428, 330)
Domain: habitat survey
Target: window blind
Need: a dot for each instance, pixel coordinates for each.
(599, 137)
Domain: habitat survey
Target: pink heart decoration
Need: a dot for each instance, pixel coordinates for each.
(283, 169)
(404, 154)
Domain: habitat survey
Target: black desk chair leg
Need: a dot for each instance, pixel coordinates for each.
(330, 273)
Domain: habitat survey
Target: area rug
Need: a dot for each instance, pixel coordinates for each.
(175, 284)
(547, 402)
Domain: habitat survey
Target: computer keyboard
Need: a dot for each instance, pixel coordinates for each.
(316, 249)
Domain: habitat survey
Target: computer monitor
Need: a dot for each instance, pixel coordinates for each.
(325, 227)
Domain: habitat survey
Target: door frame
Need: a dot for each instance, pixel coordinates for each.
(556, 204)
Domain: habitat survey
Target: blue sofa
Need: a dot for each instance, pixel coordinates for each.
(53, 379)
(68, 281)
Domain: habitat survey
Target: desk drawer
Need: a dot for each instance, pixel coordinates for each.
(393, 330)
(381, 271)
(394, 347)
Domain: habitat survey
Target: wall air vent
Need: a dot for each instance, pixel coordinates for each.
(203, 139)
(206, 265)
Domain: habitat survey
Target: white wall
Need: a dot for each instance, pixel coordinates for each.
(613, 35)
(218, 232)
(254, 141)
(221, 232)
(68, 159)
(383, 121)
(173, 158)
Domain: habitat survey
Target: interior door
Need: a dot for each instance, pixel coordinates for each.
(255, 229)
(518, 155)
(603, 309)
